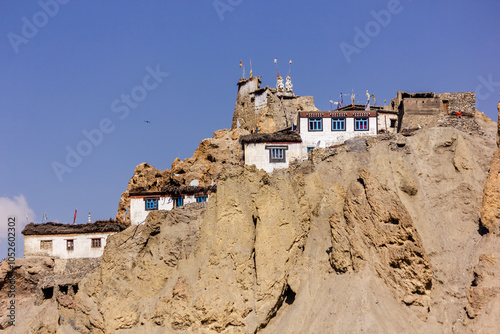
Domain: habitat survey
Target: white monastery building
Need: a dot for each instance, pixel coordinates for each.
(67, 241)
(268, 151)
(316, 129)
(324, 129)
(143, 202)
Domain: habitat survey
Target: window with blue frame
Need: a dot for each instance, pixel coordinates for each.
(315, 124)
(309, 149)
(277, 154)
(361, 124)
(338, 124)
(201, 198)
(178, 201)
(151, 203)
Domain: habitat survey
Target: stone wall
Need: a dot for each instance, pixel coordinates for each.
(265, 109)
(460, 101)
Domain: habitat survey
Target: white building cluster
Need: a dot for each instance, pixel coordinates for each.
(143, 202)
(67, 241)
(315, 129)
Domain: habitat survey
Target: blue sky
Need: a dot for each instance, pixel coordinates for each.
(68, 66)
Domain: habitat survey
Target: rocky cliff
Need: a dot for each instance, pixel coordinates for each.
(382, 234)
(212, 157)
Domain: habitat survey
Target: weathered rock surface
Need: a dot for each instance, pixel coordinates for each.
(375, 228)
(212, 157)
(379, 236)
(264, 109)
(490, 211)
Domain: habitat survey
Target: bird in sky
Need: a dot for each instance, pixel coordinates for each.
(147, 122)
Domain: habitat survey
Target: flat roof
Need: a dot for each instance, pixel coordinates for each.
(284, 136)
(102, 226)
(174, 191)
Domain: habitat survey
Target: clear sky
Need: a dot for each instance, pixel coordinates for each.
(78, 80)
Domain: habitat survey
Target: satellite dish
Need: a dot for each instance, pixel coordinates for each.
(194, 183)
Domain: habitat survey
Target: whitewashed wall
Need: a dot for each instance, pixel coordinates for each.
(138, 212)
(257, 154)
(260, 102)
(249, 86)
(327, 137)
(82, 245)
(384, 122)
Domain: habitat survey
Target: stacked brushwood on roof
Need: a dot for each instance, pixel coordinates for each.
(175, 190)
(284, 136)
(50, 228)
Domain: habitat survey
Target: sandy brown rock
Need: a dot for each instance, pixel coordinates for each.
(490, 211)
(208, 162)
(379, 235)
(377, 222)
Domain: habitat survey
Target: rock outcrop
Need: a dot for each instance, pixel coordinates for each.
(264, 109)
(356, 238)
(490, 211)
(212, 157)
(387, 234)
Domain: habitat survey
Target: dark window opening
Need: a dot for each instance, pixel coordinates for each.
(393, 123)
(75, 288)
(70, 245)
(361, 124)
(315, 124)
(151, 203)
(48, 293)
(63, 289)
(338, 124)
(96, 243)
(482, 230)
(201, 198)
(178, 201)
(277, 153)
(289, 295)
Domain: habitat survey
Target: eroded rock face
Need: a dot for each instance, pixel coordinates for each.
(253, 232)
(375, 229)
(378, 236)
(264, 110)
(212, 157)
(490, 211)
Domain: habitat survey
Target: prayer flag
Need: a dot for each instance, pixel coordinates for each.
(74, 218)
